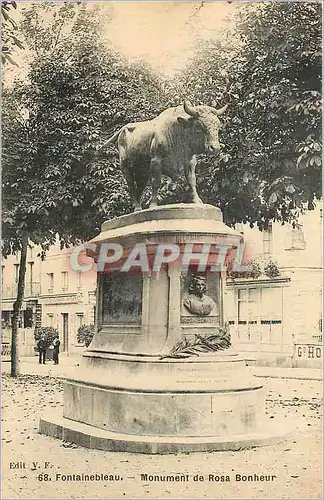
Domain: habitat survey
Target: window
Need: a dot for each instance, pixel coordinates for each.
(28, 318)
(20, 319)
(271, 306)
(79, 280)
(79, 320)
(65, 281)
(30, 278)
(260, 314)
(31, 274)
(23, 336)
(2, 273)
(16, 272)
(248, 300)
(298, 239)
(267, 241)
(50, 282)
(271, 315)
(6, 319)
(50, 319)
(248, 309)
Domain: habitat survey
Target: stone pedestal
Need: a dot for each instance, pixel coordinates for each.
(134, 391)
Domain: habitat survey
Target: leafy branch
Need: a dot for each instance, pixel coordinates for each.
(201, 344)
(9, 39)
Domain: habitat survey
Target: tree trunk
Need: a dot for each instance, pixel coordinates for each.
(17, 308)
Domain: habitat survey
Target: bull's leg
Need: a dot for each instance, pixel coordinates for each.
(156, 175)
(140, 188)
(131, 186)
(190, 174)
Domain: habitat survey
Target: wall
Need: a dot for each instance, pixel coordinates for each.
(282, 316)
(52, 289)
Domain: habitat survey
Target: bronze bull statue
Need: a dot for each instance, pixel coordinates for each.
(166, 145)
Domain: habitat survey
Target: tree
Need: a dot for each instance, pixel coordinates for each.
(76, 101)
(271, 159)
(85, 334)
(9, 38)
(48, 333)
(77, 93)
(21, 221)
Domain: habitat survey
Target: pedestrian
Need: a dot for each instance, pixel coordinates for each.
(42, 348)
(56, 350)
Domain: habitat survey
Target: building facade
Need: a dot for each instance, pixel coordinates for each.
(276, 318)
(55, 295)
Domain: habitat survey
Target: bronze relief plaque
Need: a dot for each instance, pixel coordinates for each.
(122, 298)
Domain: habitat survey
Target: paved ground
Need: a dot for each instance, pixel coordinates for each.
(296, 463)
(30, 366)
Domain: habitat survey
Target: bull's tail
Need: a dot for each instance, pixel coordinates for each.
(112, 138)
(110, 141)
(130, 127)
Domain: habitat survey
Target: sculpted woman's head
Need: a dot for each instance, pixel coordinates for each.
(198, 285)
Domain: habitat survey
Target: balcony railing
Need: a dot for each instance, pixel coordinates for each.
(31, 290)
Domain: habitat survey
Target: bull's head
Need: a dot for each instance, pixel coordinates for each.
(205, 126)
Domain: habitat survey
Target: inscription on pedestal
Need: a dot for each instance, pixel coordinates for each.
(191, 320)
(207, 382)
(122, 298)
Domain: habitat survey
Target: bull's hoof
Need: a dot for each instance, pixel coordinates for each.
(198, 201)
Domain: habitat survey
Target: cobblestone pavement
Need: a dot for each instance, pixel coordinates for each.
(295, 463)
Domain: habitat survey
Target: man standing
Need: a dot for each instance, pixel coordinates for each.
(56, 350)
(42, 348)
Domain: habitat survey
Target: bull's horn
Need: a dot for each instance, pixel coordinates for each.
(222, 110)
(190, 109)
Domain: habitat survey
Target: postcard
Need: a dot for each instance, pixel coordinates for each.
(161, 263)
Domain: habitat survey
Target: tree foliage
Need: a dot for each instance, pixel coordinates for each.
(76, 96)
(9, 33)
(85, 334)
(77, 93)
(49, 333)
(77, 99)
(270, 165)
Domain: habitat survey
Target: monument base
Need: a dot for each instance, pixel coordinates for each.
(91, 437)
(208, 403)
(159, 375)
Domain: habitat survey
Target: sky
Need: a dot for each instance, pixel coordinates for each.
(161, 33)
